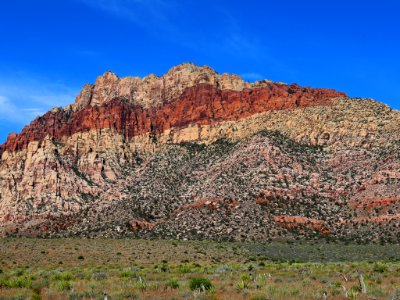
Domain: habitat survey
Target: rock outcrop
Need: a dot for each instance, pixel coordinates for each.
(201, 104)
(195, 154)
(154, 91)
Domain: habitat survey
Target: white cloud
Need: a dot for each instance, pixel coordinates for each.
(8, 111)
(13, 114)
(24, 98)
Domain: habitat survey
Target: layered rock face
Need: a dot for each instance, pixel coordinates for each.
(201, 104)
(195, 154)
(153, 90)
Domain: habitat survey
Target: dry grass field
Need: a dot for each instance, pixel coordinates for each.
(150, 269)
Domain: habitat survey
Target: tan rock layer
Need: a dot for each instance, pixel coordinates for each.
(152, 90)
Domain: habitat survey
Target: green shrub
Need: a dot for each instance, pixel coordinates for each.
(184, 269)
(243, 284)
(20, 282)
(172, 283)
(141, 285)
(380, 268)
(19, 272)
(3, 282)
(63, 285)
(62, 276)
(198, 283)
(128, 274)
(36, 297)
(99, 276)
(259, 297)
(164, 268)
(128, 295)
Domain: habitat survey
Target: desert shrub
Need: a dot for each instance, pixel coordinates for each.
(259, 297)
(19, 272)
(184, 269)
(63, 285)
(380, 268)
(164, 268)
(128, 295)
(243, 284)
(3, 282)
(19, 282)
(140, 286)
(99, 276)
(20, 297)
(35, 297)
(128, 274)
(38, 285)
(65, 276)
(172, 284)
(74, 295)
(336, 284)
(198, 283)
(354, 291)
(245, 277)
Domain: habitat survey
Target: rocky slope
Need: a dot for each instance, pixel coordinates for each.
(196, 154)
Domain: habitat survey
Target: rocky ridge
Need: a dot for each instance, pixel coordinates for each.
(153, 90)
(195, 154)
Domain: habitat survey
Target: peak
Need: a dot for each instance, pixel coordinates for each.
(191, 68)
(150, 77)
(154, 91)
(109, 75)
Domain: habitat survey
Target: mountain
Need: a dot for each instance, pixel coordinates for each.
(194, 154)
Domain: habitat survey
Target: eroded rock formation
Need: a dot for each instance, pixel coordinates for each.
(195, 154)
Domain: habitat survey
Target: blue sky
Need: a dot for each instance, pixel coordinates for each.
(49, 49)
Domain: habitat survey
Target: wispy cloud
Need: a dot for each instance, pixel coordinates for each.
(22, 98)
(8, 111)
(12, 113)
(152, 15)
(166, 20)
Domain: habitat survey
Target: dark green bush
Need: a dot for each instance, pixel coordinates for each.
(172, 284)
(380, 268)
(199, 282)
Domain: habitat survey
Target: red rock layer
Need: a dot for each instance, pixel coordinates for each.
(302, 223)
(202, 104)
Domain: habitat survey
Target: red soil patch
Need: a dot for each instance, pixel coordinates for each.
(371, 204)
(302, 223)
(138, 225)
(377, 219)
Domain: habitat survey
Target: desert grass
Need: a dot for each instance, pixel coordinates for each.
(149, 269)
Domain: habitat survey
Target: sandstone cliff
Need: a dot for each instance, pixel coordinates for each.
(155, 155)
